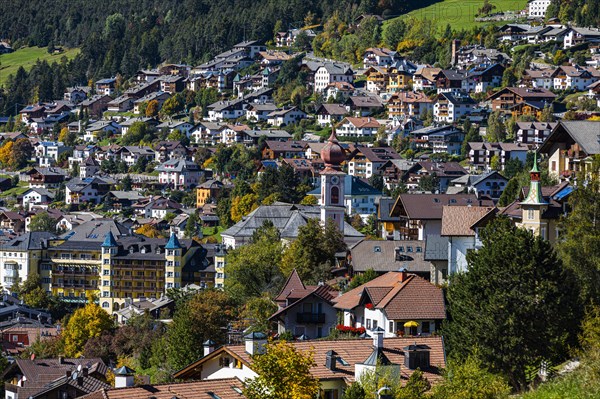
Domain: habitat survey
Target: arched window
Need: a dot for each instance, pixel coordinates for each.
(105, 304)
(335, 195)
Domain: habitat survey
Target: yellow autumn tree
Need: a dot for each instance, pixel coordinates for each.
(87, 322)
(241, 206)
(149, 231)
(5, 153)
(283, 373)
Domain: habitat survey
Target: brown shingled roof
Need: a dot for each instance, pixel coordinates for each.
(457, 220)
(351, 351)
(413, 298)
(227, 388)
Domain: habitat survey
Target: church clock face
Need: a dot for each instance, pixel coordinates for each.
(335, 180)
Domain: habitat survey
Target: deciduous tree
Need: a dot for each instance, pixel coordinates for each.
(87, 322)
(283, 373)
(42, 222)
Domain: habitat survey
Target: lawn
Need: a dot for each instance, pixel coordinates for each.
(209, 232)
(460, 14)
(26, 57)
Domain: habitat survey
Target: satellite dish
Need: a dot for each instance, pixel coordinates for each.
(79, 368)
(74, 376)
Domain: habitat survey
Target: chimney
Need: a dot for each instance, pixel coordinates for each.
(85, 371)
(68, 373)
(124, 377)
(378, 334)
(403, 274)
(80, 380)
(209, 347)
(330, 359)
(61, 360)
(256, 343)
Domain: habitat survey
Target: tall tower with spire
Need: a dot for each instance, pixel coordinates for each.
(534, 205)
(332, 182)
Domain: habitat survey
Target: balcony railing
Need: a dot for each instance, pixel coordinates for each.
(310, 317)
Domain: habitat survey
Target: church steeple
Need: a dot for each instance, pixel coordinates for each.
(332, 182)
(534, 197)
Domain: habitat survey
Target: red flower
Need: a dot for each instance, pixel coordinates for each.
(369, 306)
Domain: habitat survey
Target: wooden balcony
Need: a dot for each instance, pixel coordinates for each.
(310, 318)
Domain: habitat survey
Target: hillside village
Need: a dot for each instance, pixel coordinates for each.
(198, 216)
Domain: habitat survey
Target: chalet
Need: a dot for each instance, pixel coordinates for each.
(36, 196)
(594, 92)
(223, 110)
(400, 76)
(534, 132)
(328, 114)
(12, 222)
(377, 79)
(482, 154)
(172, 84)
(91, 189)
(275, 149)
(143, 89)
(123, 199)
(305, 310)
(149, 122)
(232, 133)
(76, 94)
(481, 78)
(364, 105)
(146, 75)
(179, 174)
(272, 58)
(513, 32)
(339, 91)
(168, 150)
(96, 105)
(106, 87)
(171, 126)
(391, 301)
(5, 48)
(158, 96)
(490, 185)
(260, 112)
(443, 171)
(576, 36)
(306, 168)
(208, 133)
(330, 72)
(46, 177)
(425, 78)
(408, 104)
(32, 111)
(393, 171)
(570, 146)
(448, 141)
(96, 129)
(421, 214)
(120, 104)
(449, 81)
(131, 154)
(358, 127)
(286, 116)
(538, 78)
(364, 161)
(378, 57)
(175, 70)
(461, 226)
(521, 101)
(251, 137)
(451, 107)
(468, 56)
(574, 77)
(89, 168)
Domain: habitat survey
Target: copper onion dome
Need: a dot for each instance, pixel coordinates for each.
(332, 153)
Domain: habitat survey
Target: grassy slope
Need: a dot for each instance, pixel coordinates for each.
(460, 14)
(26, 57)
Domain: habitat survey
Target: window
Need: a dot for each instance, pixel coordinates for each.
(391, 326)
(335, 195)
(224, 361)
(106, 294)
(106, 272)
(15, 338)
(425, 327)
(374, 324)
(105, 283)
(377, 248)
(170, 263)
(409, 249)
(418, 249)
(105, 304)
(530, 214)
(106, 261)
(369, 324)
